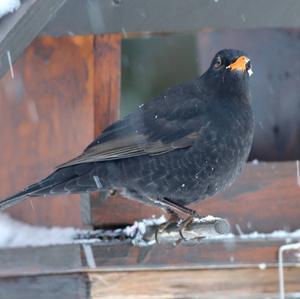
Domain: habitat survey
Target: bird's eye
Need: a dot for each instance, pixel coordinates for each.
(248, 66)
(218, 63)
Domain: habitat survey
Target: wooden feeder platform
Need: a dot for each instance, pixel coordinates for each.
(65, 89)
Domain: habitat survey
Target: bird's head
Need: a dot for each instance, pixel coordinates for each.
(230, 69)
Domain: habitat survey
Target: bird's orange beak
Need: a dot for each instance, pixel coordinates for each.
(240, 64)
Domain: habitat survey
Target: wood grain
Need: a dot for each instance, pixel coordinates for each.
(40, 260)
(208, 254)
(217, 284)
(264, 198)
(71, 286)
(107, 76)
(107, 63)
(46, 117)
(108, 256)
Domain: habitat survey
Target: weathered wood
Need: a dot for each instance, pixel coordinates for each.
(107, 16)
(118, 256)
(71, 286)
(40, 260)
(107, 80)
(107, 72)
(217, 284)
(234, 253)
(46, 118)
(263, 192)
(17, 30)
(115, 257)
(252, 283)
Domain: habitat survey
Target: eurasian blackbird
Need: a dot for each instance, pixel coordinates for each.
(185, 145)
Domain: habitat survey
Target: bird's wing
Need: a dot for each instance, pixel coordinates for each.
(151, 130)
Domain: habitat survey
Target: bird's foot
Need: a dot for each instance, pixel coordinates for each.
(163, 229)
(184, 225)
(175, 227)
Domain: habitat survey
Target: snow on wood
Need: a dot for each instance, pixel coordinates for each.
(8, 6)
(142, 233)
(17, 234)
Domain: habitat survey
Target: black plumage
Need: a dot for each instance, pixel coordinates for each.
(184, 145)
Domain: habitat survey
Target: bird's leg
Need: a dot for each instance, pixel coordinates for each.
(192, 214)
(170, 207)
(174, 206)
(174, 218)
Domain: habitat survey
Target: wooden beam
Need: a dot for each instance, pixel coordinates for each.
(118, 256)
(252, 283)
(40, 260)
(107, 93)
(18, 30)
(71, 286)
(110, 16)
(107, 80)
(217, 284)
(234, 253)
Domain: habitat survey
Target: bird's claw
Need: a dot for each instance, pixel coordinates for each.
(187, 222)
(162, 228)
(173, 225)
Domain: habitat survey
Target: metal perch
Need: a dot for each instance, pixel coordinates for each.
(151, 231)
(198, 229)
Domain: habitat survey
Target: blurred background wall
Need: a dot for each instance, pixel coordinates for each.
(149, 65)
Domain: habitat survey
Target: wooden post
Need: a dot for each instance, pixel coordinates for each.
(107, 77)
(46, 117)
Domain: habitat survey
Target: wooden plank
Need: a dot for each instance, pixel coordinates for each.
(107, 16)
(46, 118)
(217, 284)
(234, 253)
(71, 286)
(118, 256)
(107, 77)
(263, 193)
(40, 260)
(107, 80)
(18, 30)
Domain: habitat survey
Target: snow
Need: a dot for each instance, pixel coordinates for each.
(208, 218)
(97, 182)
(14, 233)
(12, 74)
(275, 235)
(7, 6)
(17, 234)
(298, 173)
(138, 229)
(262, 266)
(124, 32)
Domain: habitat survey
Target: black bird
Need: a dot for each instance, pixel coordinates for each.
(185, 145)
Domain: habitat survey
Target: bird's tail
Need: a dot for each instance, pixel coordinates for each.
(33, 190)
(54, 184)
(16, 198)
